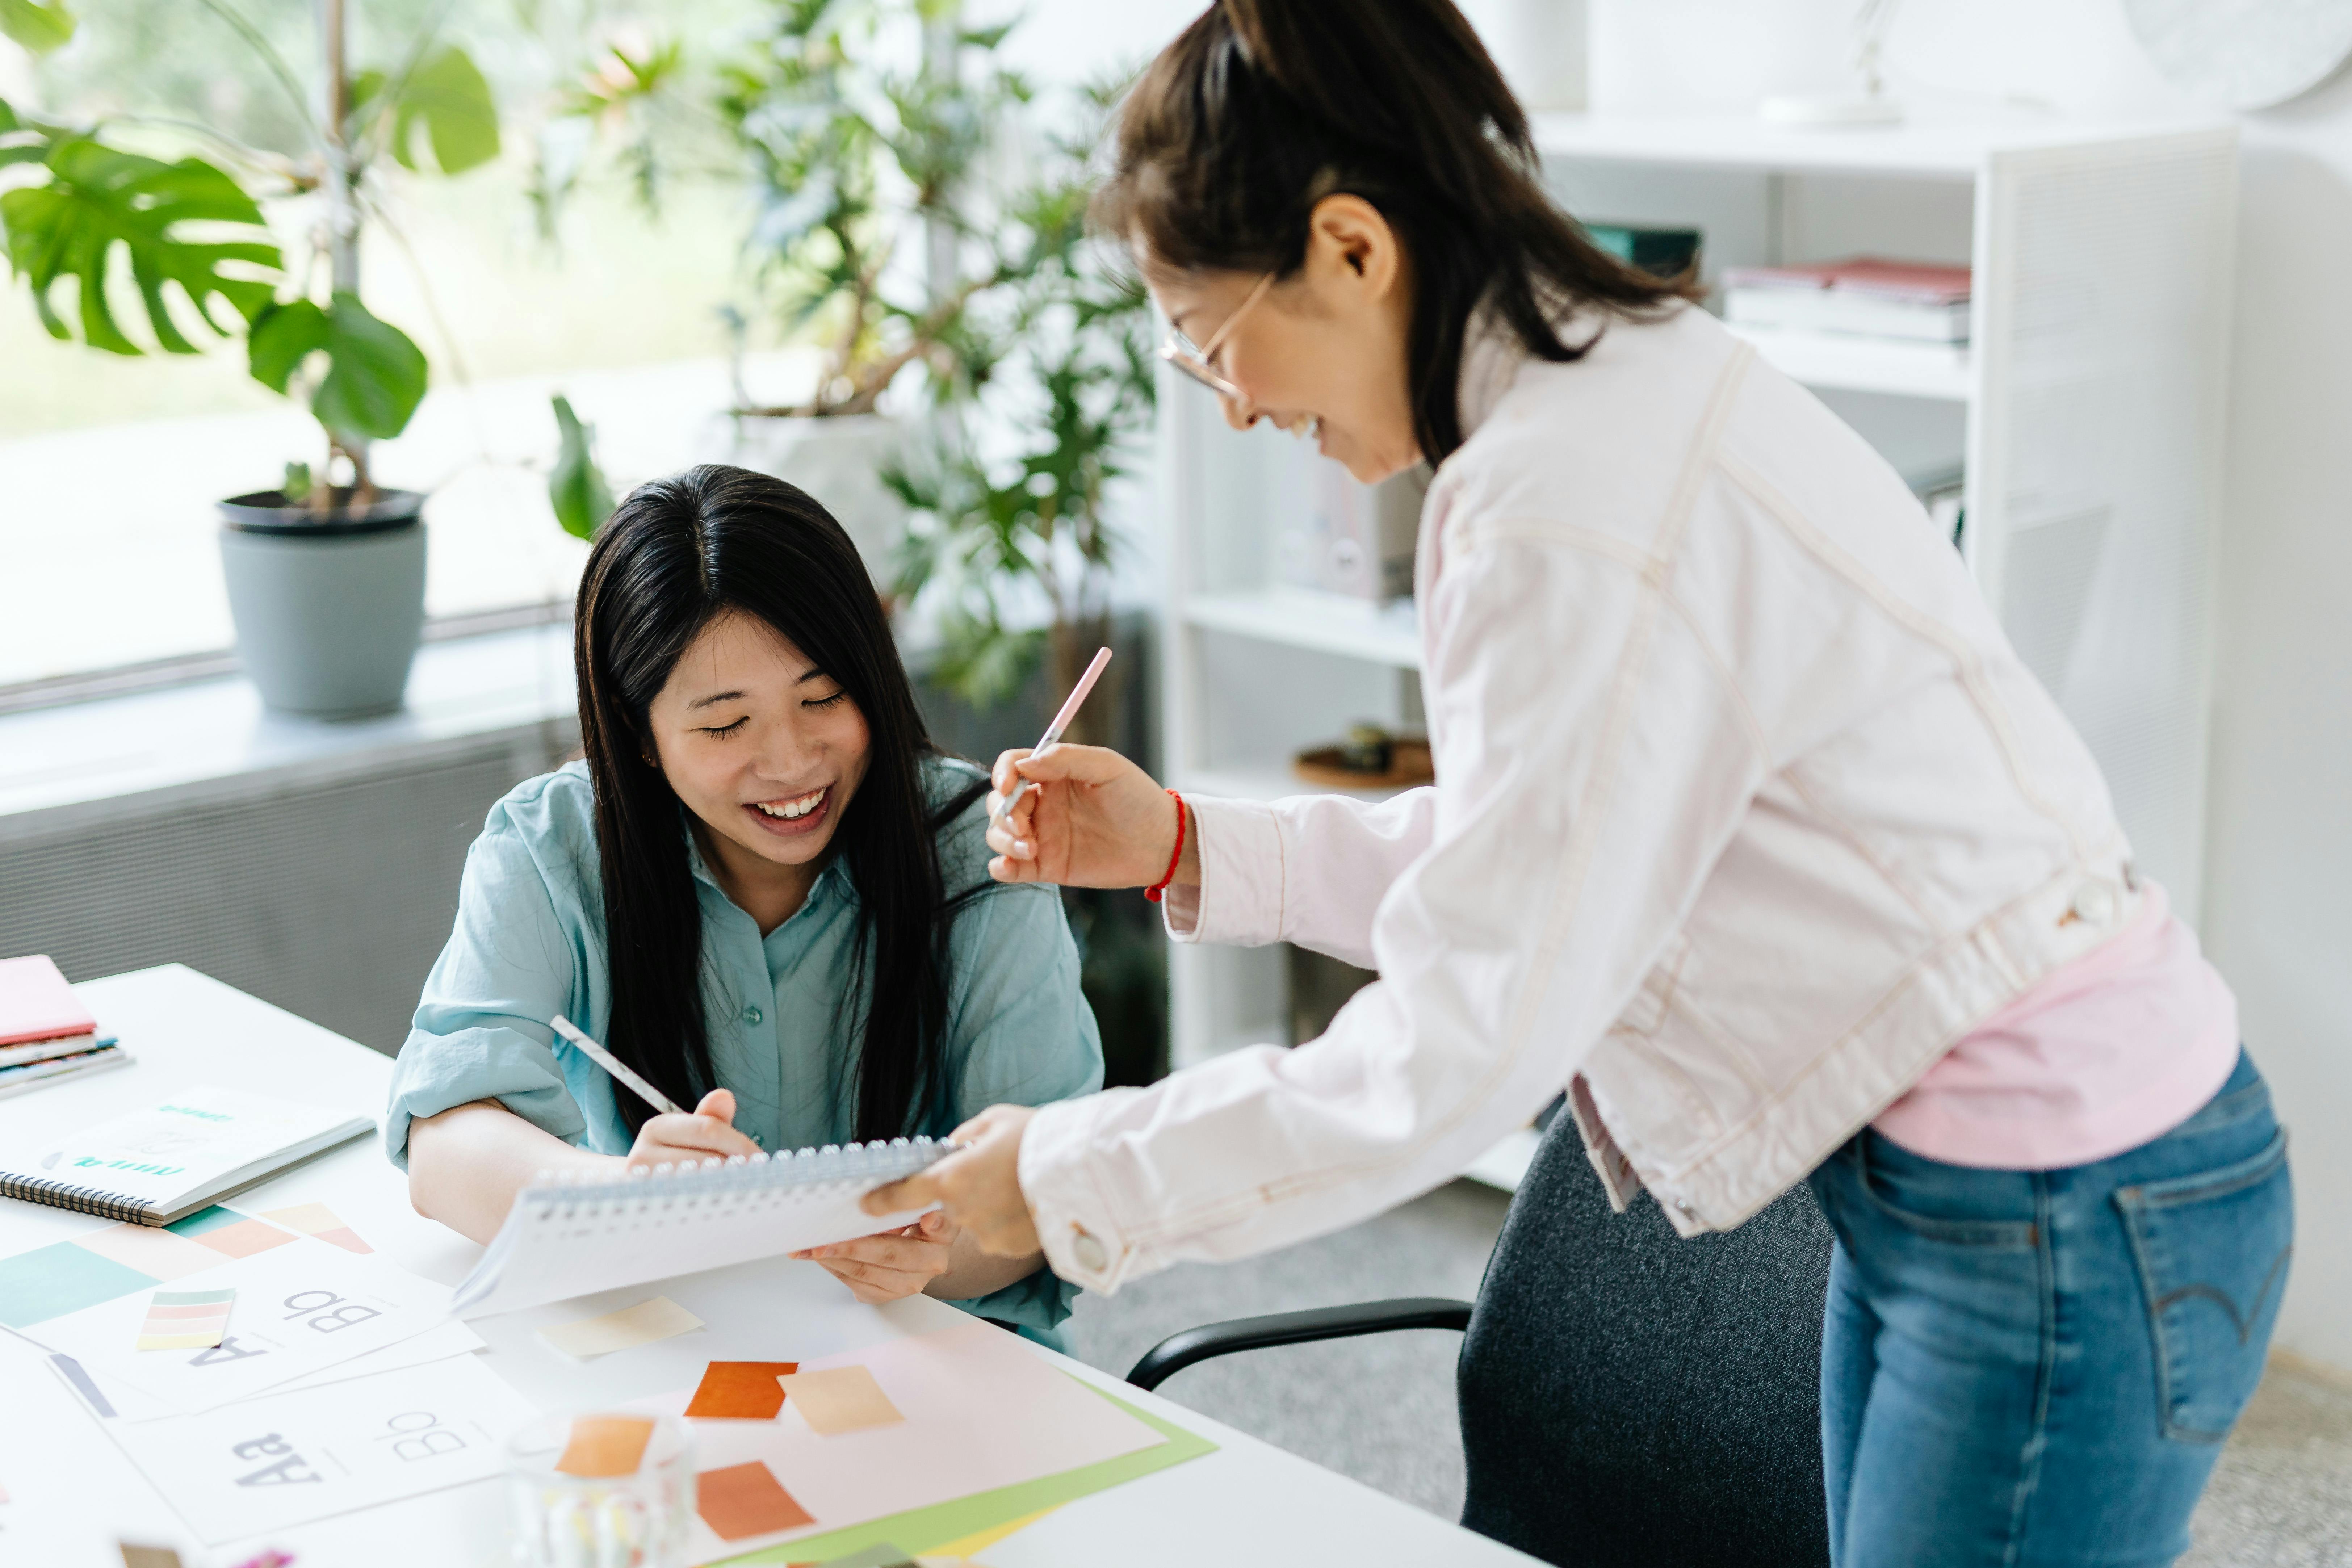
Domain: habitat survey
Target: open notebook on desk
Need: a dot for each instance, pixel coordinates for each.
(570, 1238)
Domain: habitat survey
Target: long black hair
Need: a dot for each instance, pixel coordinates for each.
(1262, 108)
(674, 556)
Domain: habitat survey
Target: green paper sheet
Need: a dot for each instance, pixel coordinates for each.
(50, 1281)
(206, 1219)
(922, 1529)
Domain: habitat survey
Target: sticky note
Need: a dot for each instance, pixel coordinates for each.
(746, 1500)
(185, 1320)
(605, 1445)
(839, 1399)
(740, 1390)
(320, 1223)
(658, 1318)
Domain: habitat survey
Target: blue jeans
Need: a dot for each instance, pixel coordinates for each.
(2033, 1368)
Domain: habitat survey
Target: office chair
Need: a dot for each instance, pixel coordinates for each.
(1628, 1397)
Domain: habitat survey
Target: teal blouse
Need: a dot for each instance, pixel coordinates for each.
(530, 943)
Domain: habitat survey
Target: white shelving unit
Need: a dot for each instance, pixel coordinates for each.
(2086, 412)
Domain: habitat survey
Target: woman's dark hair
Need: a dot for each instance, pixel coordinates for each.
(1262, 108)
(677, 554)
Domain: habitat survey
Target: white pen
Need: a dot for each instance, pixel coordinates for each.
(616, 1065)
(1053, 731)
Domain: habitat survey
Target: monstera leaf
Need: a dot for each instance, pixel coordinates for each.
(447, 98)
(39, 28)
(375, 374)
(96, 200)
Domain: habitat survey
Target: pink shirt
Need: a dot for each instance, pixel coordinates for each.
(2118, 1048)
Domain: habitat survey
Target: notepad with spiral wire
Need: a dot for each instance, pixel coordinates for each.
(568, 1237)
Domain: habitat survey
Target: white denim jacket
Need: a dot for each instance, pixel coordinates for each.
(1745, 811)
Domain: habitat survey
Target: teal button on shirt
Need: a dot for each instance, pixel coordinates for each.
(529, 944)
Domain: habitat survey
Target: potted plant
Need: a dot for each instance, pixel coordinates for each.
(1010, 508)
(850, 155)
(326, 572)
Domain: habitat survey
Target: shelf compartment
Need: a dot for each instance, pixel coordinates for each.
(1322, 623)
(1942, 371)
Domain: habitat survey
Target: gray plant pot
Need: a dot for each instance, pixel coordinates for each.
(328, 611)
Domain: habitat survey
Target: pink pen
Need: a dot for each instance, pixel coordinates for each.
(1061, 723)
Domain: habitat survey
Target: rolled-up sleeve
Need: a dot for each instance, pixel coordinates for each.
(1585, 799)
(1020, 1033)
(480, 1031)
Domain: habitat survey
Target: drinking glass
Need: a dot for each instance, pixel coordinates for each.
(634, 1520)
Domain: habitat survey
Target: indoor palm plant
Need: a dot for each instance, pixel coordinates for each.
(1011, 503)
(867, 129)
(326, 572)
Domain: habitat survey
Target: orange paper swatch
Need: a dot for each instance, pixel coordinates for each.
(746, 1500)
(740, 1390)
(605, 1446)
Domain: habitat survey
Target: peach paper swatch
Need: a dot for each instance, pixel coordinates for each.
(605, 1445)
(746, 1500)
(740, 1391)
(320, 1221)
(840, 1399)
(657, 1318)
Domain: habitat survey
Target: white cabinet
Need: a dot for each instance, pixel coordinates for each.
(2087, 410)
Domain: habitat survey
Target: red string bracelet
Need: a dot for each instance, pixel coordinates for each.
(1157, 889)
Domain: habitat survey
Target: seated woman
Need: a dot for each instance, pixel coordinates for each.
(764, 889)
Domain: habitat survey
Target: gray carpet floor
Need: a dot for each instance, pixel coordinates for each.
(1382, 1409)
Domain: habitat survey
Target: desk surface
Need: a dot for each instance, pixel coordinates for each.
(73, 1494)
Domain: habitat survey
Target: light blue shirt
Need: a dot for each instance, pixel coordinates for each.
(530, 943)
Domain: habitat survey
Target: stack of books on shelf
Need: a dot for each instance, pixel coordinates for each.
(46, 1036)
(1863, 297)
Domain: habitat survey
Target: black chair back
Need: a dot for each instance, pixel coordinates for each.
(1629, 1397)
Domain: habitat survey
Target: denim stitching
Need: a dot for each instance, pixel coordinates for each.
(1991, 1233)
(2045, 1372)
(2131, 1200)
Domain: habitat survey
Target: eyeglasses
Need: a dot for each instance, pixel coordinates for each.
(1178, 351)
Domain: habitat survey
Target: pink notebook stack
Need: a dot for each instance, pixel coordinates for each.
(46, 1034)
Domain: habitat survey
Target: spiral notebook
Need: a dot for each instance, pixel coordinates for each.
(162, 1164)
(570, 1238)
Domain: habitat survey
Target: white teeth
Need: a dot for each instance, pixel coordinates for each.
(790, 809)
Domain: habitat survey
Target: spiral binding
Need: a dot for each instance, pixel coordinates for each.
(835, 1165)
(81, 1200)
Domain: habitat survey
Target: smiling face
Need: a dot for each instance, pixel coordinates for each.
(1325, 350)
(766, 750)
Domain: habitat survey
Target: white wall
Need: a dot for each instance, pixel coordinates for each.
(2278, 894)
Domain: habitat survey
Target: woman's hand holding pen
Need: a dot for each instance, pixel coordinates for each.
(707, 1133)
(1091, 819)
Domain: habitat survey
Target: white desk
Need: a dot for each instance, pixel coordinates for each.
(73, 1495)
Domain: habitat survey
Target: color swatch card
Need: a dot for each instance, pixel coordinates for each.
(905, 1425)
(300, 1308)
(282, 1460)
(185, 1320)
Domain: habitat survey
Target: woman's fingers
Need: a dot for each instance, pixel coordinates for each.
(980, 1185)
(703, 1134)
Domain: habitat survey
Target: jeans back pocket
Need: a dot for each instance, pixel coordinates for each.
(2213, 1251)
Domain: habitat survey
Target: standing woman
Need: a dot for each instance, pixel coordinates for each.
(1751, 832)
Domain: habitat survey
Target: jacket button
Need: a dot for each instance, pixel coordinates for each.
(2094, 903)
(1681, 1208)
(753, 1015)
(1090, 1253)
